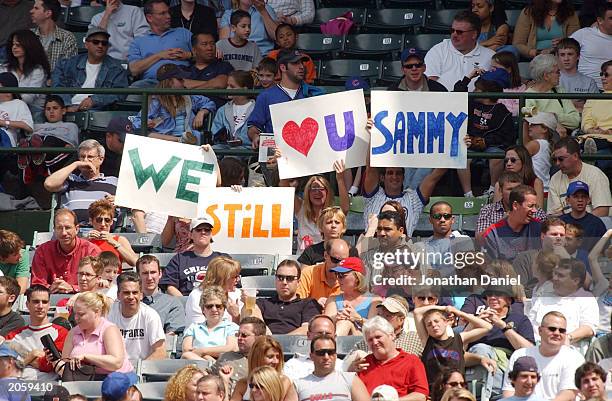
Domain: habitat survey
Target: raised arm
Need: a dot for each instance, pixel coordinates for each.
(55, 182)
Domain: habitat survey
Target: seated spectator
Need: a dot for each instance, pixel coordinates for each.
(176, 118)
(577, 305)
(518, 160)
(286, 39)
(197, 18)
(388, 206)
(216, 335)
(572, 81)
(263, 24)
(207, 71)
(140, 325)
(181, 274)
(574, 240)
(542, 25)
(566, 155)
(238, 50)
(14, 16)
(332, 225)
(221, 271)
(94, 69)
(27, 338)
(111, 267)
(57, 42)
(266, 384)
(595, 43)
(161, 46)
(414, 79)
(494, 29)
(14, 113)
(27, 60)
(229, 127)
(538, 141)
(107, 353)
(169, 308)
(101, 216)
(120, 386)
(14, 259)
(89, 275)
(389, 365)
(544, 71)
(578, 199)
(524, 377)
(79, 191)
(211, 388)
(591, 381)
(286, 312)
(124, 23)
(454, 58)
(294, 12)
(183, 384)
(556, 361)
(517, 232)
(355, 304)
(56, 261)
(267, 70)
(449, 378)
(11, 375)
(9, 319)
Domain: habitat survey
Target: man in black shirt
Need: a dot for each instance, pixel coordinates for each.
(196, 18)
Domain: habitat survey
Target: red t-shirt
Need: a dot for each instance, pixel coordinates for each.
(405, 373)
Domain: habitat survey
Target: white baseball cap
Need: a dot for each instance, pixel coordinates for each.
(545, 118)
(385, 392)
(201, 220)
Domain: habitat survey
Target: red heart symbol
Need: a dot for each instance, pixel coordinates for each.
(301, 137)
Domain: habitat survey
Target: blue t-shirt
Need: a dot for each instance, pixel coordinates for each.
(533, 397)
(151, 43)
(215, 337)
(185, 269)
(501, 242)
(258, 29)
(594, 228)
(13, 389)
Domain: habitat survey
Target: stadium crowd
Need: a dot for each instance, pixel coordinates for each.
(537, 328)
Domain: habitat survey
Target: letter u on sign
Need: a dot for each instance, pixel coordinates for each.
(336, 142)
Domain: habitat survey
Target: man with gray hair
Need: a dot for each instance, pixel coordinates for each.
(78, 191)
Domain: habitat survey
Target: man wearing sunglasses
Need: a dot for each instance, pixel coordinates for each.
(286, 312)
(325, 379)
(556, 361)
(414, 79)
(94, 69)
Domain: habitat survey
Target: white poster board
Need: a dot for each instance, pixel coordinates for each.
(419, 129)
(313, 133)
(163, 176)
(253, 221)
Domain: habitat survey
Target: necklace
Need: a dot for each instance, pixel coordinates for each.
(190, 20)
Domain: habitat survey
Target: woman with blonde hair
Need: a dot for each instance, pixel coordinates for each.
(332, 225)
(351, 308)
(224, 272)
(265, 384)
(266, 351)
(458, 394)
(101, 215)
(94, 340)
(183, 384)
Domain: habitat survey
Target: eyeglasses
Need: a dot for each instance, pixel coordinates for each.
(554, 329)
(88, 276)
(459, 31)
(428, 299)
(510, 159)
(325, 351)
(243, 335)
(438, 216)
(559, 159)
(318, 189)
(103, 220)
(210, 306)
(98, 42)
(334, 259)
(88, 157)
(254, 385)
(604, 74)
(288, 279)
(413, 66)
(457, 384)
(205, 230)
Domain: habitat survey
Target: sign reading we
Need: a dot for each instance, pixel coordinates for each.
(313, 133)
(419, 129)
(164, 177)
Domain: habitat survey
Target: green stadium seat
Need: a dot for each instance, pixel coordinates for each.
(80, 41)
(322, 15)
(424, 42)
(98, 120)
(524, 70)
(517, 4)
(512, 17)
(318, 45)
(335, 72)
(459, 204)
(464, 4)
(439, 21)
(372, 45)
(78, 18)
(391, 72)
(349, 3)
(428, 4)
(394, 20)
(79, 118)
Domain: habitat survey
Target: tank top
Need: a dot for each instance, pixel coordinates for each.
(541, 162)
(308, 232)
(442, 353)
(363, 308)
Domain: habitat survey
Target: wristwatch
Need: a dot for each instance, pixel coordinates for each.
(509, 326)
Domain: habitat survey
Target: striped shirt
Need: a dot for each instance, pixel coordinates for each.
(302, 10)
(61, 44)
(494, 212)
(78, 193)
(410, 199)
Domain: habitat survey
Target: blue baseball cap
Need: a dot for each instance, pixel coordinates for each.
(116, 384)
(356, 83)
(499, 76)
(121, 126)
(576, 186)
(6, 351)
(412, 52)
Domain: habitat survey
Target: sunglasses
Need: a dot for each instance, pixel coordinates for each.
(438, 216)
(459, 31)
(413, 66)
(457, 384)
(554, 329)
(334, 259)
(604, 74)
(428, 299)
(98, 42)
(103, 220)
(318, 189)
(210, 306)
(254, 385)
(510, 159)
(325, 351)
(289, 279)
(206, 230)
(242, 335)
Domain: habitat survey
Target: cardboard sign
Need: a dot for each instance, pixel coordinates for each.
(253, 221)
(163, 176)
(419, 129)
(314, 132)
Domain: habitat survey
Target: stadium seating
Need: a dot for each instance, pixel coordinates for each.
(161, 370)
(428, 4)
(143, 242)
(152, 391)
(98, 120)
(80, 41)
(394, 20)
(292, 344)
(265, 285)
(318, 45)
(79, 118)
(512, 17)
(92, 390)
(391, 72)
(439, 21)
(345, 344)
(424, 42)
(349, 3)
(323, 15)
(524, 70)
(78, 18)
(335, 72)
(372, 45)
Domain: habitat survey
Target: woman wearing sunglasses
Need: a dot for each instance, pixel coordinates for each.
(216, 335)
(518, 160)
(101, 214)
(265, 384)
(447, 379)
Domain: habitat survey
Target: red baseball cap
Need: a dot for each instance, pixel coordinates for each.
(349, 264)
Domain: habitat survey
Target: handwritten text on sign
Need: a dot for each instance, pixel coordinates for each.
(255, 220)
(164, 177)
(312, 133)
(416, 129)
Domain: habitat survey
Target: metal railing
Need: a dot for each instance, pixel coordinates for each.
(147, 92)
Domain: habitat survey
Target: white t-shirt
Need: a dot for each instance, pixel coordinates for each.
(595, 49)
(91, 71)
(140, 331)
(14, 110)
(290, 92)
(596, 180)
(450, 65)
(240, 114)
(557, 371)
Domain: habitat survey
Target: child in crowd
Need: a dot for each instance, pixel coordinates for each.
(540, 130)
(266, 73)
(578, 199)
(574, 235)
(237, 50)
(13, 260)
(14, 113)
(229, 126)
(111, 269)
(572, 81)
(286, 38)
(176, 118)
